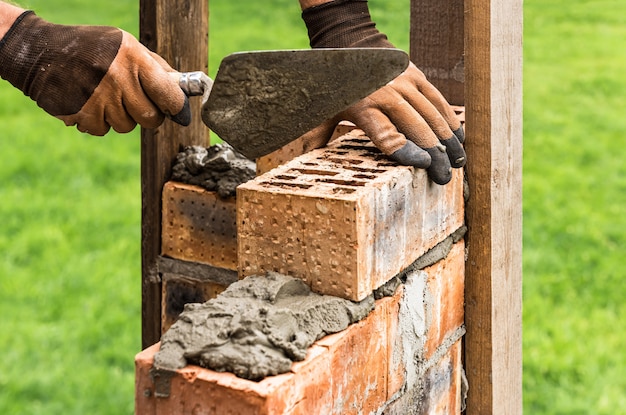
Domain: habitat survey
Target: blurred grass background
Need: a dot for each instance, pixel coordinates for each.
(70, 215)
(574, 207)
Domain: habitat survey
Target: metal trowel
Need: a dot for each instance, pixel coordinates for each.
(261, 101)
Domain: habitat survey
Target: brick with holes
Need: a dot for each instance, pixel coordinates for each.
(344, 218)
(198, 226)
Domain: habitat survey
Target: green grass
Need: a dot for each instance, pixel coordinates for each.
(574, 208)
(70, 208)
(70, 216)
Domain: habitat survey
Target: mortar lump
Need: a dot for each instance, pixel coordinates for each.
(256, 328)
(219, 168)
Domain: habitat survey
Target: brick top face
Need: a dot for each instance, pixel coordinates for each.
(343, 170)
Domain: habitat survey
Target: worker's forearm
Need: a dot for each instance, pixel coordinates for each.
(305, 4)
(8, 14)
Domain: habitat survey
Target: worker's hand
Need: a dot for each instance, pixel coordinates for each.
(408, 119)
(93, 77)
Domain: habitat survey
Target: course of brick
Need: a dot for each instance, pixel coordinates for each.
(368, 368)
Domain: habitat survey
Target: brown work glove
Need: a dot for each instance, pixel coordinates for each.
(93, 77)
(408, 119)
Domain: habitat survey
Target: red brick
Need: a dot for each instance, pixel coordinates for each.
(344, 218)
(280, 156)
(358, 363)
(438, 391)
(446, 291)
(442, 384)
(199, 226)
(343, 374)
(460, 112)
(433, 313)
(396, 364)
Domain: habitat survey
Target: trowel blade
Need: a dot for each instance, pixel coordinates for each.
(261, 101)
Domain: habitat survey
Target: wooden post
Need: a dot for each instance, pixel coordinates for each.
(493, 104)
(485, 37)
(437, 45)
(178, 31)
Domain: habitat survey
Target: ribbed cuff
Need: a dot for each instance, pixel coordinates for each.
(57, 66)
(15, 24)
(343, 24)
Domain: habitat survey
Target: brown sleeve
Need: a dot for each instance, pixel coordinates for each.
(57, 66)
(343, 24)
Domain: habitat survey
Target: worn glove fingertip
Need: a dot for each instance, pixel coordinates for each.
(456, 153)
(440, 170)
(184, 115)
(411, 155)
(460, 134)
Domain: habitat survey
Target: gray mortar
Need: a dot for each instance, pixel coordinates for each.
(217, 168)
(256, 328)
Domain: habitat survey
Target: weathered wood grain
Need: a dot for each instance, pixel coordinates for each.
(178, 31)
(493, 91)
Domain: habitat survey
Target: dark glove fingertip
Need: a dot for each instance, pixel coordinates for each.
(184, 116)
(456, 153)
(440, 170)
(411, 155)
(460, 134)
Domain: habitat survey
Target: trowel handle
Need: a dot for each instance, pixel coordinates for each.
(194, 83)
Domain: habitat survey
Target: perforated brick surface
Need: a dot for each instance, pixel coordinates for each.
(344, 218)
(198, 226)
(297, 147)
(294, 149)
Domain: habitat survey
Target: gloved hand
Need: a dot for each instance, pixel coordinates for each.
(93, 77)
(408, 119)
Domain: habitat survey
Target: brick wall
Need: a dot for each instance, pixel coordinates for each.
(346, 220)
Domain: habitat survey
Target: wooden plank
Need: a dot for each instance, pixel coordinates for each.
(178, 31)
(437, 45)
(493, 90)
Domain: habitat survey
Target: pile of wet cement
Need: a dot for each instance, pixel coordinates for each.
(218, 168)
(256, 328)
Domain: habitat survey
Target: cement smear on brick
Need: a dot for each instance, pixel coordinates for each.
(217, 168)
(414, 318)
(415, 314)
(439, 251)
(256, 328)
